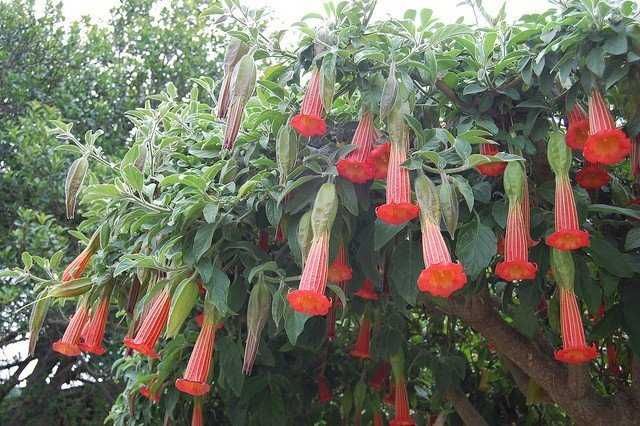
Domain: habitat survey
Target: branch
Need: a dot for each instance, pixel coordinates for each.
(522, 380)
(451, 95)
(590, 408)
(464, 408)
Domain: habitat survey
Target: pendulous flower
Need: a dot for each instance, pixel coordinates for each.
(379, 160)
(578, 129)
(339, 271)
(309, 121)
(76, 268)
(516, 265)
(402, 416)
(380, 376)
(355, 167)
(361, 347)
(574, 347)
(606, 144)
(258, 312)
(69, 344)
(196, 415)
(367, 291)
(494, 168)
(592, 177)
(152, 325)
(324, 390)
(194, 381)
(441, 277)
(236, 50)
(93, 334)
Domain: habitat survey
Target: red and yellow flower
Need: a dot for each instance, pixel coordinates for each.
(355, 167)
(152, 325)
(606, 144)
(309, 121)
(494, 168)
(578, 129)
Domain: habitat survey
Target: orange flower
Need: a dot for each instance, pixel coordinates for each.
(355, 166)
(402, 416)
(76, 268)
(152, 325)
(567, 235)
(324, 390)
(516, 266)
(574, 347)
(148, 393)
(592, 177)
(339, 271)
(94, 332)
(367, 291)
(490, 169)
(379, 160)
(380, 376)
(361, 348)
(196, 415)
(309, 121)
(578, 129)
(69, 344)
(606, 144)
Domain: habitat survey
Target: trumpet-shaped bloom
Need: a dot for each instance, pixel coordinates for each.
(361, 348)
(379, 160)
(324, 389)
(567, 235)
(516, 266)
(92, 336)
(355, 166)
(606, 144)
(309, 298)
(398, 208)
(339, 271)
(380, 376)
(578, 129)
(195, 378)
(592, 177)
(574, 347)
(69, 344)
(309, 121)
(152, 325)
(196, 415)
(378, 419)
(490, 169)
(76, 268)
(402, 416)
(367, 291)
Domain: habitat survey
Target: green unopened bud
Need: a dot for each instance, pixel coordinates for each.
(359, 394)
(235, 50)
(559, 154)
(396, 125)
(397, 366)
(449, 205)
(514, 181)
(328, 80)
(389, 92)
(324, 210)
(428, 199)
(38, 314)
(347, 403)
(184, 299)
(243, 79)
(229, 171)
(324, 39)
(563, 268)
(286, 152)
(73, 183)
(305, 235)
(71, 288)
(259, 306)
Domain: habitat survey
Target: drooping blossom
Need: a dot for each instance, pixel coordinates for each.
(379, 160)
(263, 240)
(339, 270)
(574, 347)
(398, 208)
(195, 379)
(441, 277)
(516, 265)
(324, 389)
(258, 312)
(69, 343)
(196, 415)
(526, 211)
(578, 129)
(331, 323)
(367, 291)
(76, 268)
(592, 177)
(309, 121)
(567, 235)
(243, 82)
(380, 376)
(92, 336)
(235, 50)
(355, 166)
(361, 348)
(402, 416)
(606, 144)
(494, 168)
(152, 325)
(613, 365)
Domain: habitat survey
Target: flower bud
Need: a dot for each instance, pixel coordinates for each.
(71, 288)
(38, 314)
(428, 198)
(75, 177)
(328, 80)
(514, 181)
(286, 152)
(305, 235)
(182, 302)
(258, 312)
(389, 92)
(563, 268)
(324, 210)
(449, 206)
(558, 154)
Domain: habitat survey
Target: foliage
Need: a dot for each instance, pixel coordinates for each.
(177, 205)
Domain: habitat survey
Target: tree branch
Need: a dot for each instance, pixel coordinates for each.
(446, 90)
(464, 408)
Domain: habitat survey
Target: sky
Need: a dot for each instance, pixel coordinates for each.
(289, 11)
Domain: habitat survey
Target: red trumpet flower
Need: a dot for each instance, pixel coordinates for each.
(76, 268)
(324, 390)
(379, 160)
(361, 348)
(578, 129)
(367, 291)
(402, 416)
(309, 121)
(574, 347)
(195, 377)
(567, 235)
(490, 169)
(263, 240)
(355, 166)
(152, 325)
(309, 298)
(69, 344)
(390, 397)
(592, 177)
(441, 277)
(398, 208)
(516, 266)
(380, 376)
(196, 415)
(92, 335)
(606, 144)
(378, 419)
(339, 271)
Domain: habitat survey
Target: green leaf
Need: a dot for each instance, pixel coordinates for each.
(347, 195)
(632, 240)
(607, 209)
(607, 256)
(210, 212)
(27, 260)
(184, 299)
(133, 177)
(406, 265)
(202, 240)
(230, 360)
(383, 233)
(217, 284)
(595, 61)
(616, 44)
(476, 247)
(465, 189)
(294, 323)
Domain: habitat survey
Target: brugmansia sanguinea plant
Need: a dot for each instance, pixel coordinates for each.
(402, 415)
(367, 291)
(363, 342)
(606, 144)
(592, 177)
(309, 298)
(76, 268)
(567, 234)
(153, 323)
(310, 122)
(258, 312)
(494, 168)
(339, 270)
(398, 208)
(356, 166)
(379, 160)
(574, 347)
(197, 419)
(324, 389)
(235, 50)
(516, 265)
(578, 129)
(441, 277)
(195, 379)
(93, 334)
(69, 344)
(75, 177)
(243, 82)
